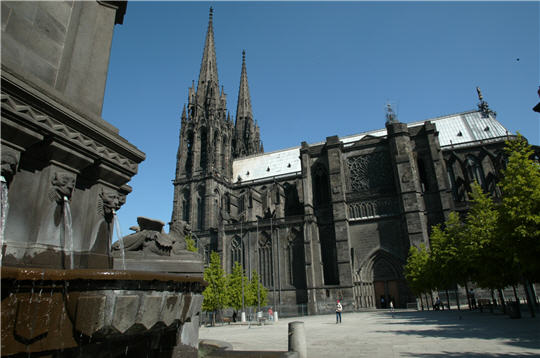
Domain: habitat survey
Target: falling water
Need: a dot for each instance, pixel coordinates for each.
(68, 232)
(120, 241)
(4, 208)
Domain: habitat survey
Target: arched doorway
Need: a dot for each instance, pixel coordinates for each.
(385, 283)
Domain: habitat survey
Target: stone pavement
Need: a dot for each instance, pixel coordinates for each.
(405, 334)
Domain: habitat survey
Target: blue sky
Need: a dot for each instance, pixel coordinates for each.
(316, 69)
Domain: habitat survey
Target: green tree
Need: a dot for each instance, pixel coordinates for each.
(520, 213)
(190, 244)
(417, 270)
(215, 294)
(257, 294)
(490, 259)
(520, 207)
(234, 287)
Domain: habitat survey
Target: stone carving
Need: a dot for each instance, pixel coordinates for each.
(370, 171)
(108, 201)
(60, 129)
(390, 114)
(373, 208)
(150, 238)
(62, 186)
(9, 165)
(227, 217)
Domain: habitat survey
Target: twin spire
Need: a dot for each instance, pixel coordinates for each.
(208, 84)
(246, 137)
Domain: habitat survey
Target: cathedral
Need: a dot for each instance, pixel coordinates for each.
(329, 220)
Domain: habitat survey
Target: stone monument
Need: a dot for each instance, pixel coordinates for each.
(64, 175)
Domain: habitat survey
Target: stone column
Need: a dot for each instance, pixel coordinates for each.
(439, 166)
(408, 183)
(297, 339)
(312, 248)
(339, 209)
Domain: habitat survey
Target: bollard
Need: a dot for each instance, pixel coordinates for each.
(297, 339)
(275, 316)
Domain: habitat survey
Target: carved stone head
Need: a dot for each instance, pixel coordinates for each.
(62, 186)
(9, 164)
(110, 201)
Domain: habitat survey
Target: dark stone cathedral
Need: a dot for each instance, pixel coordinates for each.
(329, 220)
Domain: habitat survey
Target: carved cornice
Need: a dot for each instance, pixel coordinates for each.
(28, 115)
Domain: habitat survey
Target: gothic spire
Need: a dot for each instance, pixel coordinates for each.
(208, 77)
(243, 110)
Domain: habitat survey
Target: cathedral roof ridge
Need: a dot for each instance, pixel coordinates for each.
(251, 156)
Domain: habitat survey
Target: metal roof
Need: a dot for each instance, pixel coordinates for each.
(454, 129)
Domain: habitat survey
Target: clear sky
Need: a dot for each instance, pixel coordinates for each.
(316, 69)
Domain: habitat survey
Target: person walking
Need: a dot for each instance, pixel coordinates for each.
(339, 308)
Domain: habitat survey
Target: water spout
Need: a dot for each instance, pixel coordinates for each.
(68, 233)
(4, 208)
(120, 241)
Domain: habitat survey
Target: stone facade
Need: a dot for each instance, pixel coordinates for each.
(62, 154)
(327, 220)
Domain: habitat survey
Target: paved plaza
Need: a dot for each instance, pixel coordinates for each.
(403, 334)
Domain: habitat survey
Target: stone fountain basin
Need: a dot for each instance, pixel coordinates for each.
(49, 309)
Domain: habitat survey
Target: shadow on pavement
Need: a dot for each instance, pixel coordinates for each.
(471, 355)
(523, 332)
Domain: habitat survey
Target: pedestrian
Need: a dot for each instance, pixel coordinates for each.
(270, 314)
(339, 308)
(383, 303)
(437, 304)
(472, 298)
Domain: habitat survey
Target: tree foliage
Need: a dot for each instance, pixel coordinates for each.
(520, 207)
(215, 294)
(234, 287)
(190, 244)
(417, 270)
(257, 294)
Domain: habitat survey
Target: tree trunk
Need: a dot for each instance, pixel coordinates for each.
(493, 302)
(533, 294)
(431, 296)
(457, 298)
(427, 302)
(468, 297)
(517, 300)
(447, 299)
(501, 297)
(529, 300)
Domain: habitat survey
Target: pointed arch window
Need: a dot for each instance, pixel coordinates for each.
(185, 205)
(321, 190)
(189, 160)
(265, 260)
(223, 157)
(204, 149)
(474, 171)
(200, 209)
(237, 251)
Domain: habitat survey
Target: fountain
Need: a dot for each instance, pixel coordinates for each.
(65, 291)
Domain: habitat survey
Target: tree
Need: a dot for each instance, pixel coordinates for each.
(520, 212)
(215, 294)
(417, 270)
(520, 207)
(256, 294)
(190, 244)
(490, 259)
(234, 287)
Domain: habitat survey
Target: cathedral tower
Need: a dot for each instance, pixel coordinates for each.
(204, 159)
(246, 133)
